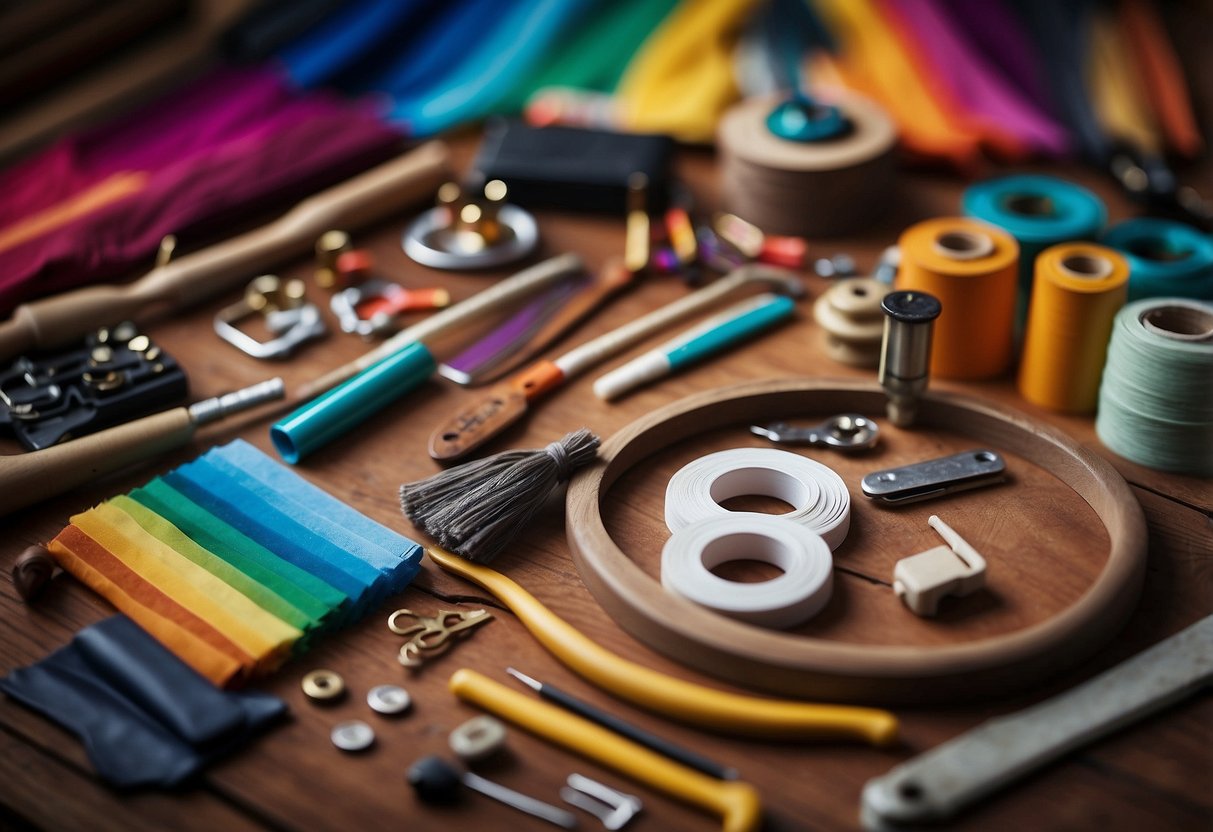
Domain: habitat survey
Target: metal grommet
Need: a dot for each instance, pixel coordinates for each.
(354, 735)
(323, 685)
(478, 738)
(430, 241)
(388, 699)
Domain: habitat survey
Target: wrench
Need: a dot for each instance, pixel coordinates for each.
(937, 784)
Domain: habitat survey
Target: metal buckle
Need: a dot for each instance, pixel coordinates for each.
(287, 315)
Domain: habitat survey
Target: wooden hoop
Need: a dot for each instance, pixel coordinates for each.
(796, 665)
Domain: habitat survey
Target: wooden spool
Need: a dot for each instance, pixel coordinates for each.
(948, 665)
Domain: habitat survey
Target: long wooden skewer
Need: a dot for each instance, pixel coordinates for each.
(367, 198)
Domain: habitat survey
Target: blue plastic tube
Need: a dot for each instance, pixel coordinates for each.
(332, 414)
(1038, 211)
(1166, 258)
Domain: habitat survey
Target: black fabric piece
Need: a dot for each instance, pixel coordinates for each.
(145, 718)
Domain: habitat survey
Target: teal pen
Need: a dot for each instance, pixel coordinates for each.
(714, 335)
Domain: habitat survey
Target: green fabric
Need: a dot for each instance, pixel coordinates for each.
(261, 594)
(299, 587)
(597, 54)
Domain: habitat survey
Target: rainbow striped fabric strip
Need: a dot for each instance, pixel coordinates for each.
(235, 555)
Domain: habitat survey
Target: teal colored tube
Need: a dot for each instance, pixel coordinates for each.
(1038, 211)
(327, 417)
(1166, 258)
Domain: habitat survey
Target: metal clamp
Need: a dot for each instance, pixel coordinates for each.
(613, 808)
(287, 315)
(935, 477)
(394, 299)
(845, 432)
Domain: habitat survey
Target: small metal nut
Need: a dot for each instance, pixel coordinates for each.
(323, 685)
(838, 265)
(478, 738)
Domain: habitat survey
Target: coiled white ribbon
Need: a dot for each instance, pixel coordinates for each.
(820, 500)
(793, 597)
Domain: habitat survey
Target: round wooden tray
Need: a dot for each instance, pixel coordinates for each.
(1065, 540)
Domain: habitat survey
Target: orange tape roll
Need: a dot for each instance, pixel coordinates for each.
(971, 267)
(1076, 293)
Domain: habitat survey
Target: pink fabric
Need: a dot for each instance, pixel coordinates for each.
(974, 82)
(237, 144)
(220, 107)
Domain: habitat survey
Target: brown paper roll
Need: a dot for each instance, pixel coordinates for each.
(807, 189)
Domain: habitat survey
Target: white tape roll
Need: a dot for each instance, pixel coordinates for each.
(795, 596)
(819, 496)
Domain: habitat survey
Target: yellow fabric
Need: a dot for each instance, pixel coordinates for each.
(107, 191)
(1116, 90)
(209, 661)
(257, 632)
(873, 62)
(682, 80)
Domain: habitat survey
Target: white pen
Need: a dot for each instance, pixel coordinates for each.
(712, 336)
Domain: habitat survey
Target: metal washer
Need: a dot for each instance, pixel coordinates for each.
(419, 241)
(388, 699)
(354, 735)
(323, 685)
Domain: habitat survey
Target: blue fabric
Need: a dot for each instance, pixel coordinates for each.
(324, 52)
(443, 82)
(242, 510)
(397, 564)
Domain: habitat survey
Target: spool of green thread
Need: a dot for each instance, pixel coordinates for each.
(1156, 400)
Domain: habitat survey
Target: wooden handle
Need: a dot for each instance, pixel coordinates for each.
(27, 478)
(612, 280)
(366, 198)
(504, 405)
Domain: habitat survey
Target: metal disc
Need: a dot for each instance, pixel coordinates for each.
(354, 735)
(388, 699)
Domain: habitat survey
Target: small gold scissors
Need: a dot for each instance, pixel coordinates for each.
(431, 633)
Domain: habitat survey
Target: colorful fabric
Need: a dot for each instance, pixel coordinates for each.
(233, 562)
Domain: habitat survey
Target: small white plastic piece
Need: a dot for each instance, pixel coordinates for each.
(478, 738)
(922, 580)
(637, 372)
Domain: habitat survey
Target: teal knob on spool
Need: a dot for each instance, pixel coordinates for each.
(1039, 212)
(336, 412)
(801, 119)
(1166, 258)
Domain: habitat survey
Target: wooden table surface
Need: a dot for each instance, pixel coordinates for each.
(1155, 775)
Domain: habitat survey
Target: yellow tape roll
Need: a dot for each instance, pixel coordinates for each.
(971, 267)
(1076, 293)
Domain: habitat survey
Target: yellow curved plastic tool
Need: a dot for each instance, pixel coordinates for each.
(735, 802)
(673, 698)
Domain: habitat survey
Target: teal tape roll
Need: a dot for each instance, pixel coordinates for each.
(1166, 258)
(1038, 211)
(329, 416)
(1156, 400)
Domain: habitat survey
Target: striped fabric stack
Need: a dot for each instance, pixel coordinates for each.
(234, 562)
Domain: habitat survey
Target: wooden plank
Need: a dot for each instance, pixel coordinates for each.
(48, 793)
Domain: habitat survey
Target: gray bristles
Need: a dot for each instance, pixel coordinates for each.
(477, 508)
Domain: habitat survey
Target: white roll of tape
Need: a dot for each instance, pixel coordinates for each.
(790, 599)
(819, 497)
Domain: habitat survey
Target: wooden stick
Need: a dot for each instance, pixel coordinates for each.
(367, 198)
